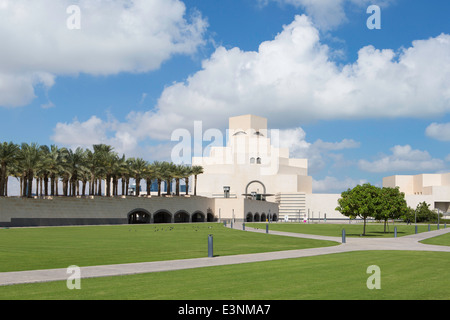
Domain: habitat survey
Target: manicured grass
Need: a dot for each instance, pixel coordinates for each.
(351, 230)
(443, 240)
(404, 275)
(60, 247)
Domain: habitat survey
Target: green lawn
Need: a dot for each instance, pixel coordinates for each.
(404, 275)
(60, 247)
(443, 240)
(351, 230)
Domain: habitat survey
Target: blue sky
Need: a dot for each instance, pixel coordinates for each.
(360, 104)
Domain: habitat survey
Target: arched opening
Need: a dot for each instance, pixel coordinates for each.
(198, 217)
(258, 161)
(162, 217)
(256, 218)
(263, 217)
(181, 216)
(255, 181)
(139, 216)
(252, 160)
(249, 217)
(210, 217)
(274, 217)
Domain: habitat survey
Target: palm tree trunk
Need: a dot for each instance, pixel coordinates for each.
(186, 182)
(195, 186)
(2, 179)
(30, 184)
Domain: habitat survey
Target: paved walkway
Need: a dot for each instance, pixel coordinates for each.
(410, 242)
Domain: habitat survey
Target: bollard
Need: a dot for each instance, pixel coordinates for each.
(267, 228)
(243, 226)
(416, 229)
(224, 223)
(231, 224)
(429, 227)
(438, 226)
(210, 246)
(343, 235)
(395, 232)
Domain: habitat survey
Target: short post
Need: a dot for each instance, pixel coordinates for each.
(343, 235)
(224, 223)
(210, 246)
(429, 227)
(231, 223)
(395, 232)
(243, 226)
(267, 228)
(416, 229)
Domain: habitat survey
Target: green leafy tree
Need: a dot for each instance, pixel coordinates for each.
(392, 205)
(362, 201)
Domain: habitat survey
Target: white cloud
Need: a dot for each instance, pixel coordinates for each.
(115, 36)
(438, 131)
(332, 184)
(403, 158)
(316, 152)
(292, 79)
(329, 14)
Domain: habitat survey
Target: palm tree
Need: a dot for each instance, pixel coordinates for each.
(178, 173)
(158, 172)
(75, 165)
(8, 155)
(187, 172)
(54, 163)
(102, 152)
(196, 170)
(138, 168)
(149, 176)
(167, 173)
(29, 157)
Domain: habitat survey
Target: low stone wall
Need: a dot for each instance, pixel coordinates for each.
(23, 212)
(59, 211)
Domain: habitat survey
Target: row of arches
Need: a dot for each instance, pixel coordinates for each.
(260, 217)
(142, 216)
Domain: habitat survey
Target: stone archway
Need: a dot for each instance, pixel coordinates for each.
(249, 217)
(139, 216)
(181, 216)
(162, 216)
(255, 181)
(198, 216)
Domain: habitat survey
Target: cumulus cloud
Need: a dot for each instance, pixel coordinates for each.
(317, 152)
(438, 131)
(292, 79)
(114, 36)
(403, 158)
(328, 14)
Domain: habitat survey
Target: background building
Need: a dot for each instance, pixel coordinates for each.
(434, 189)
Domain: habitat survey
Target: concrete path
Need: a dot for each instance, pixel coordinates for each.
(352, 244)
